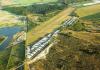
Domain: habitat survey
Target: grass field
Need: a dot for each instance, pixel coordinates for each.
(25, 2)
(93, 17)
(88, 10)
(33, 1)
(8, 19)
(48, 26)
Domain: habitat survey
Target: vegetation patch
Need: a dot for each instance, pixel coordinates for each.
(43, 12)
(78, 26)
(94, 17)
(35, 8)
(4, 56)
(17, 56)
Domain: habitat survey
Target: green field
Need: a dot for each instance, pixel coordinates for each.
(33, 1)
(93, 17)
(25, 2)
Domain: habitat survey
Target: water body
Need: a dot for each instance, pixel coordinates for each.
(9, 32)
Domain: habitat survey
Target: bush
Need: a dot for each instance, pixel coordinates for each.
(78, 26)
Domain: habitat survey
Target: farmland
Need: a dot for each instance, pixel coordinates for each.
(25, 2)
(8, 19)
(89, 10)
(33, 1)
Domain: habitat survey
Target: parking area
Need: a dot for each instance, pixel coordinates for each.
(35, 49)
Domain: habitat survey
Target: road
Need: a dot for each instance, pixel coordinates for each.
(48, 26)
